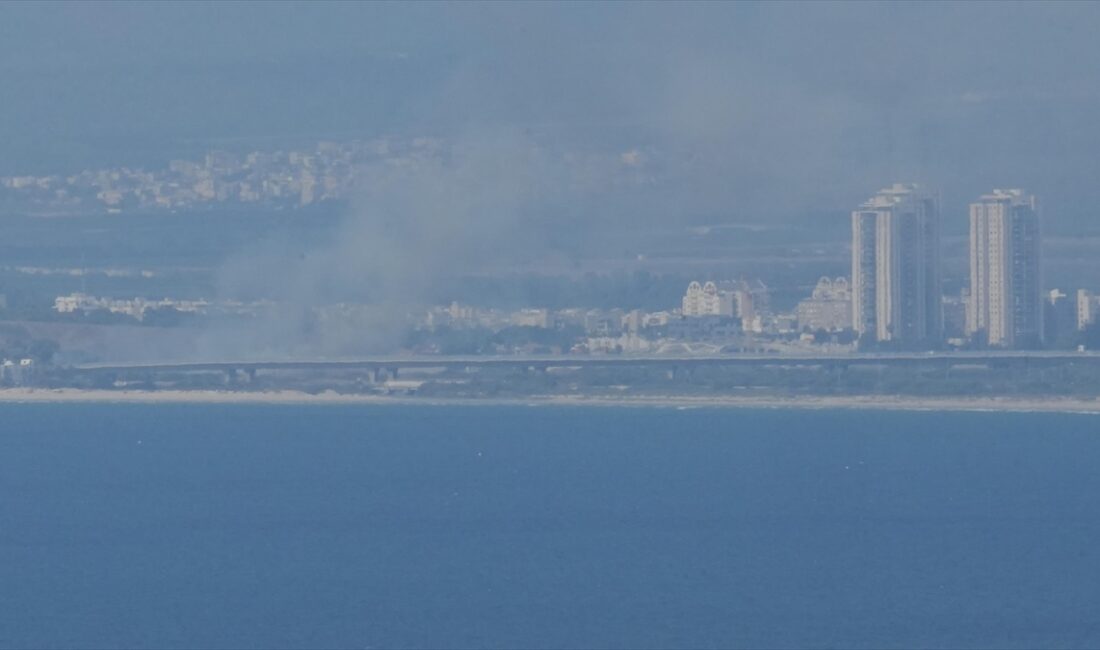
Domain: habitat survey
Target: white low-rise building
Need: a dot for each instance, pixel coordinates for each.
(829, 308)
(706, 300)
(532, 318)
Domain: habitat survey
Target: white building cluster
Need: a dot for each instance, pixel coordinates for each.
(135, 307)
(829, 308)
(726, 299)
(598, 322)
(1088, 305)
(330, 170)
(283, 178)
(706, 300)
(139, 308)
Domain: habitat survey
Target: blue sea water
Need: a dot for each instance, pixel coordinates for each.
(396, 526)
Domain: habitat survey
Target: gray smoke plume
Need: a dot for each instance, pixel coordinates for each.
(447, 209)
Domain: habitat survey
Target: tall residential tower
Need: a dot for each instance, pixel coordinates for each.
(896, 293)
(1006, 301)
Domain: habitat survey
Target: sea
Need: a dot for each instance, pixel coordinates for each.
(379, 526)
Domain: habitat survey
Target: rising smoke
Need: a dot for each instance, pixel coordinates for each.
(468, 205)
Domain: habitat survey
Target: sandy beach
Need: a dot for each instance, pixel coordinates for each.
(883, 402)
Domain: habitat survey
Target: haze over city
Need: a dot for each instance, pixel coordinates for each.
(549, 325)
(403, 151)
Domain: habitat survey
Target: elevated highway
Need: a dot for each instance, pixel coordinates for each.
(1007, 360)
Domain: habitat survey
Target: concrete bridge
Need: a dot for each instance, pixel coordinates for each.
(391, 366)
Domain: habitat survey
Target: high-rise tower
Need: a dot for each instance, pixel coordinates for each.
(1006, 302)
(896, 292)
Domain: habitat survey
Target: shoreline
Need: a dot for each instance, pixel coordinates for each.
(289, 397)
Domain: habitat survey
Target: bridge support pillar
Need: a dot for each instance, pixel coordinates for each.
(235, 376)
(680, 373)
(382, 374)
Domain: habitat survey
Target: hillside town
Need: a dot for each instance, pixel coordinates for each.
(280, 178)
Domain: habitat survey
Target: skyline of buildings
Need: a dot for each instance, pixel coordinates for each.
(896, 271)
(894, 295)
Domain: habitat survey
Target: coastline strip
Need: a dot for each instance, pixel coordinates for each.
(863, 402)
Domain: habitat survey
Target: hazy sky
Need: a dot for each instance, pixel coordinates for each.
(754, 110)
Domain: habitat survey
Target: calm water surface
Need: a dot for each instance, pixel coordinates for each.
(278, 526)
